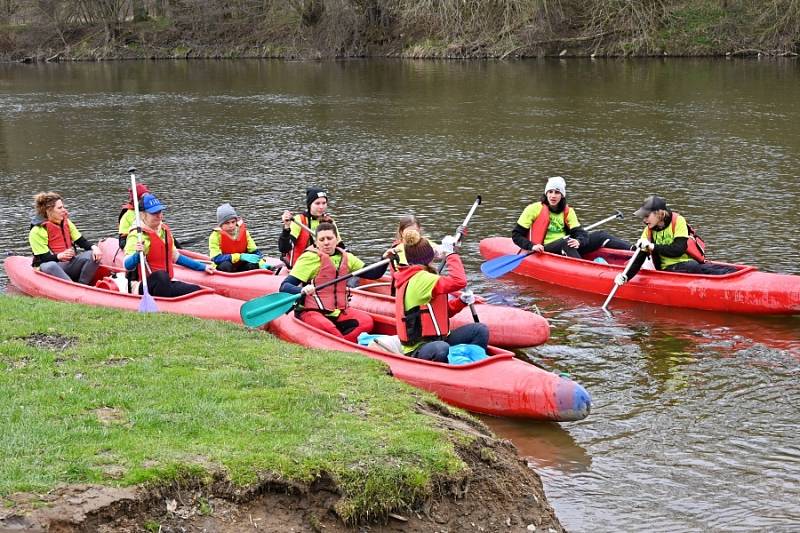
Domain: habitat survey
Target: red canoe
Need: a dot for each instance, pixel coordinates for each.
(745, 291)
(499, 385)
(204, 303)
(509, 327)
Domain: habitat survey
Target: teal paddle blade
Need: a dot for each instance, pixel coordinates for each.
(261, 310)
(494, 268)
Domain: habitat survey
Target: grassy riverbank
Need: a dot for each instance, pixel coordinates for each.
(118, 399)
(74, 29)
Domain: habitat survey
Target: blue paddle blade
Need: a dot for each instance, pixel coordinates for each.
(147, 304)
(261, 310)
(494, 268)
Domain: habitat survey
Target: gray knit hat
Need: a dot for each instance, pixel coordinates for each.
(225, 212)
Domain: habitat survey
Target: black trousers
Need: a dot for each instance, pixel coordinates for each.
(597, 239)
(159, 284)
(693, 267)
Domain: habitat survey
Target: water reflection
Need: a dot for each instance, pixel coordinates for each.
(545, 445)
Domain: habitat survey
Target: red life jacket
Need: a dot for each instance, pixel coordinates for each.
(539, 227)
(695, 245)
(300, 244)
(58, 236)
(427, 322)
(159, 256)
(229, 245)
(333, 296)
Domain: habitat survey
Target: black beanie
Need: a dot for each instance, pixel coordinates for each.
(312, 194)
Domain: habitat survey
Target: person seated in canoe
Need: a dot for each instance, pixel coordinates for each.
(551, 225)
(670, 242)
(230, 246)
(160, 253)
(397, 253)
(328, 309)
(422, 309)
(294, 240)
(53, 238)
(127, 216)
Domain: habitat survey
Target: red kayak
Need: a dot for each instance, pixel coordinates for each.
(509, 327)
(747, 290)
(499, 385)
(204, 303)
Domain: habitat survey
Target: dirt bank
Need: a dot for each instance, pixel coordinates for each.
(500, 493)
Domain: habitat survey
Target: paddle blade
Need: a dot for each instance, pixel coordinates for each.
(494, 268)
(147, 304)
(261, 310)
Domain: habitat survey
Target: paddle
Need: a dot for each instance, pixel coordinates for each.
(147, 305)
(624, 273)
(261, 310)
(499, 266)
(458, 236)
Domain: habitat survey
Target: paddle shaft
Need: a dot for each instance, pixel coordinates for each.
(624, 273)
(458, 236)
(139, 231)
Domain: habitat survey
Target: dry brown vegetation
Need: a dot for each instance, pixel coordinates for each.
(102, 29)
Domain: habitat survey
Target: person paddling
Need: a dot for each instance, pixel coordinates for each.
(669, 240)
(551, 225)
(160, 253)
(328, 309)
(53, 238)
(422, 309)
(230, 246)
(127, 216)
(294, 239)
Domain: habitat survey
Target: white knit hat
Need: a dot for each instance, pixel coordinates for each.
(556, 183)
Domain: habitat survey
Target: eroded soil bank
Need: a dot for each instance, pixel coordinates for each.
(500, 493)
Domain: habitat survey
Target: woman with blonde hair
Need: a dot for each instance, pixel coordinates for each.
(53, 238)
(422, 309)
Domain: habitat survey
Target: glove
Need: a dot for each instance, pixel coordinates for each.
(462, 230)
(448, 245)
(621, 280)
(250, 258)
(467, 297)
(645, 245)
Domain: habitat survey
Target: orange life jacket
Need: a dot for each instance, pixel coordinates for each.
(300, 244)
(229, 245)
(333, 296)
(159, 256)
(58, 236)
(695, 245)
(539, 227)
(427, 322)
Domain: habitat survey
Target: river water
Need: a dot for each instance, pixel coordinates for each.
(694, 426)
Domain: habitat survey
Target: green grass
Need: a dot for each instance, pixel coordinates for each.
(152, 398)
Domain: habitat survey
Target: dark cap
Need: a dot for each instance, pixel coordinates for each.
(312, 194)
(652, 203)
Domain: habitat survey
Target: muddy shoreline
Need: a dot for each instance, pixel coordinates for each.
(500, 493)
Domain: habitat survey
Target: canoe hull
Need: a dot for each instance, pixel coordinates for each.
(745, 291)
(500, 385)
(201, 304)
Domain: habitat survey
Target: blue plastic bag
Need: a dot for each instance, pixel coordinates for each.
(461, 354)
